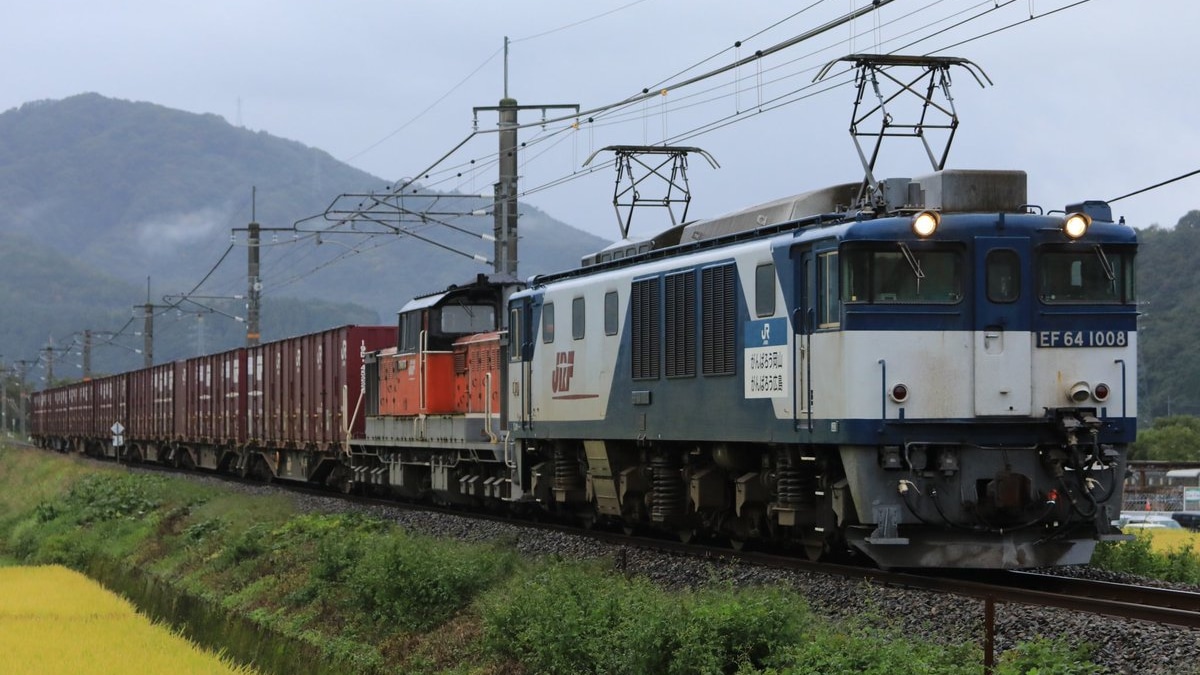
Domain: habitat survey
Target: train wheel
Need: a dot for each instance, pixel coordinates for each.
(340, 479)
(686, 534)
(588, 519)
(819, 545)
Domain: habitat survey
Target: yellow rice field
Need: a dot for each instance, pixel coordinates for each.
(1164, 540)
(54, 620)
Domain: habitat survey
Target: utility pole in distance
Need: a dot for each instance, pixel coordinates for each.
(87, 355)
(148, 327)
(505, 260)
(254, 289)
(23, 367)
(49, 358)
(3, 399)
(253, 270)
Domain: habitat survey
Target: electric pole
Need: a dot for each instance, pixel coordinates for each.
(148, 327)
(23, 367)
(148, 333)
(3, 399)
(253, 270)
(49, 349)
(87, 355)
(505, 229)
(254, 283)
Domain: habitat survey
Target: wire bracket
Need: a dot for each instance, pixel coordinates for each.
(670, 169)
(935, 111)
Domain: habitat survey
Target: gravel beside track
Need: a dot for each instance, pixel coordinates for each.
(1125, 647)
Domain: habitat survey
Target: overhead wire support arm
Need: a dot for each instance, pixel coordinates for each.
(871, 69)
(427, 240)
(630, 198)
(505, 215)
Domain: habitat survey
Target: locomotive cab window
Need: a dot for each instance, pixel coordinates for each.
(610, 313)
(1095, 275)
(548, 322)
(830, 303)
(1003, 275)
(515, 334)
(410, 331)
(764, 290)
(891, 275)
(464, 318)
(578, 316)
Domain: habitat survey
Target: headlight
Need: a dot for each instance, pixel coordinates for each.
(1076, 224)
(1079, 392)
(925, 223)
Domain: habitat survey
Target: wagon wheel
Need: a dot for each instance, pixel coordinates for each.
(341, 479)
(587, 518)
(745, 528)
(814, 545)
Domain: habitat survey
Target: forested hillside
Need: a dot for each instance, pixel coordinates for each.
(1169, 327)
(101, 194)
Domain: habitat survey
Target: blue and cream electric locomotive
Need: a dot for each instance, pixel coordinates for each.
(946, 380)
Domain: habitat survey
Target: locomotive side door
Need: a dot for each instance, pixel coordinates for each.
(803, 319)
(1003, 345)
(519, 371)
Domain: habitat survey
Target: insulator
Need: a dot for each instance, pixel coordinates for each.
(666, 488)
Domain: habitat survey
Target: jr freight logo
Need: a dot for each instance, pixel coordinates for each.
(564, 373)
(564, 370)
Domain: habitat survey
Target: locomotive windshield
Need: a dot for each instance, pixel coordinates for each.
(901, 274)
(1092, 275)
(466, 318)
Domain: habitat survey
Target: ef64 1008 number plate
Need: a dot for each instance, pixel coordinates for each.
(1082, 338)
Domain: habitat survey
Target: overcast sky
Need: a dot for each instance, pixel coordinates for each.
(1093, 102)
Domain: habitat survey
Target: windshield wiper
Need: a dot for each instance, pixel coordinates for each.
(1104, 262)
(912, 261)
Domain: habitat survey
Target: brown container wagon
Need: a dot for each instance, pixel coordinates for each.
(63, 416)
(109, 407)
(306, 392)
(39, 414)
(213, 388)
(76, 413)
(152, 404)
(154, 408)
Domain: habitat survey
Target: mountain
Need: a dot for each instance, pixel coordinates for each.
(101, 194)
(1168, 287)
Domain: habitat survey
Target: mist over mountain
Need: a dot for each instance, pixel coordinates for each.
(101, 195)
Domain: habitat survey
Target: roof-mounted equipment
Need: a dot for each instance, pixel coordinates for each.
(671, 170)
(934, 113)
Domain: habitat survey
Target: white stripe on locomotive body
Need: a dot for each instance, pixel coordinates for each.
(936, 368)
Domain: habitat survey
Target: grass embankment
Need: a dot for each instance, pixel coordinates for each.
(57, 621)
(373, 598)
